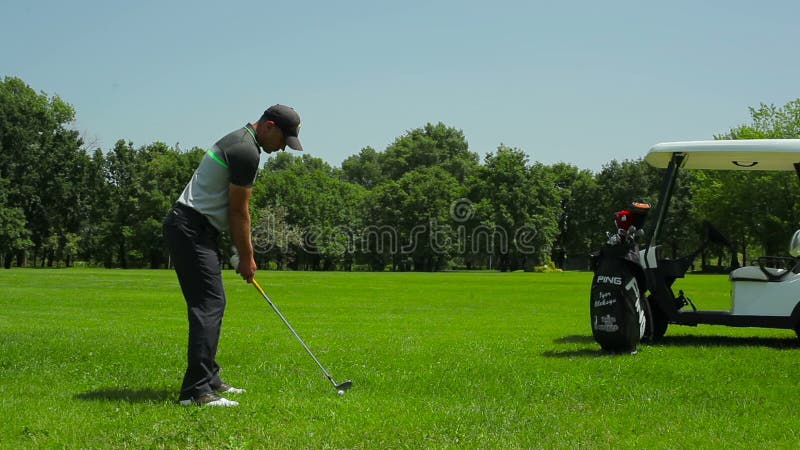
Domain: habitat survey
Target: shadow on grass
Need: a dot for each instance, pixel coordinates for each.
(581, 352)
(726, 341)
(127, 395)
(674, 341)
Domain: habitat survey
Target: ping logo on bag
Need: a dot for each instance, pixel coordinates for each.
(605, 279)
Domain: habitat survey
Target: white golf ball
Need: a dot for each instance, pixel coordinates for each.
(341, 392)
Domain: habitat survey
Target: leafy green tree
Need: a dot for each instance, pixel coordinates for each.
(70, 248)
(127, 192)
(63, 194)
(363, 169)
(621, 183)
(317, 200)
(411, 217)
(58, 203)
(378, 239)
(520, 202)
(42, 161)
(426, 197)
(769, 122)
(126, 195)
(14, 234)
(162, 172)
(579, 231)
(431, 145)
(682, 232)
(738, 202)
(273, 237)
(96, 224)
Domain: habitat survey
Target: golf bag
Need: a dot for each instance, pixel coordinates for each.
(617, 310)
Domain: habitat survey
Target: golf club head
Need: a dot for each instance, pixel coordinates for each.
(344, 385)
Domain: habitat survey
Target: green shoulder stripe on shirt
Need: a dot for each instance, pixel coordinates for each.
(216, 158)
(251, 134)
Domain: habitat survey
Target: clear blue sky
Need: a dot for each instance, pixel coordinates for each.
(580, 82)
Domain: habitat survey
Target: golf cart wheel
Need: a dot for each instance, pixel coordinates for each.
(657, 328)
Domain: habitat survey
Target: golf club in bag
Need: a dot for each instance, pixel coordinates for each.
(618, 311)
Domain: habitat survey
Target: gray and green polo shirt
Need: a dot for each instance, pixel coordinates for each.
(233, 159)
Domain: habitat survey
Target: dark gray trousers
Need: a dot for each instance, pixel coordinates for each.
(192, 243)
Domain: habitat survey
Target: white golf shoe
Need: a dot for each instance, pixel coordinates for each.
(226, 388)
(210, 399)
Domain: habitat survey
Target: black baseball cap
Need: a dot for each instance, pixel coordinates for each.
(287, 119)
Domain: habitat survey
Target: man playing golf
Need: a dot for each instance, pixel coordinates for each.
(216, 200)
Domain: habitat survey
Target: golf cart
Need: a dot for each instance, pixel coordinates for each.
(766, 295)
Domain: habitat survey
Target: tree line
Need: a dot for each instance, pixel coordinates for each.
(425, 203)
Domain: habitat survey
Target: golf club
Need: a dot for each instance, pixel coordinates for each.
(342, 387)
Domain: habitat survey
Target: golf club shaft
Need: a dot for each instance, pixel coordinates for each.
(278, 311)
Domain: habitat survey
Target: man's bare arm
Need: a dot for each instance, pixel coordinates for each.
(239, 222)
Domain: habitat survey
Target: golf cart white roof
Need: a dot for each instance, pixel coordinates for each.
(744, 154)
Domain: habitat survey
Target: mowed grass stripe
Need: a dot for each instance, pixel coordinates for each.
(94, 358)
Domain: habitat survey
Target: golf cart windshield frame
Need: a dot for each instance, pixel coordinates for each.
(664, 198)
(667, 189)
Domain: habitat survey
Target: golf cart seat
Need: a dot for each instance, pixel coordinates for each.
(754, 273)
(768, 269)
(772, 268)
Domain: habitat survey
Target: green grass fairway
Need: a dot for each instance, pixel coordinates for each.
(94, 359)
